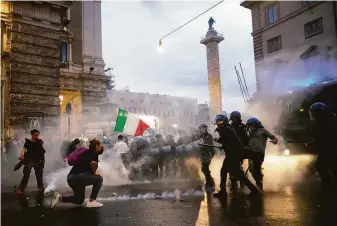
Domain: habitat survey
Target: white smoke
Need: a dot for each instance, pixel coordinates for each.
(164, 195)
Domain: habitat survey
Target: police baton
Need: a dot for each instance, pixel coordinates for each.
(299, 142)
(210, 146)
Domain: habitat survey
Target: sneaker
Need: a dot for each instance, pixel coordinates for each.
(94, 204)
(55, 200)
(19, 192)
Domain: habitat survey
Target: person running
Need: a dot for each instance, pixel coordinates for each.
(32, 156)
(83, 173)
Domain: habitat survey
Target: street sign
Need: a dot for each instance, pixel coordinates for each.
(68, 109)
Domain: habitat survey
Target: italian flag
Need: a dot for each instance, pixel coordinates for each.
(129, 124)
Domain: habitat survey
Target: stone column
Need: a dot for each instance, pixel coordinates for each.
(92, 37)
(212, 40)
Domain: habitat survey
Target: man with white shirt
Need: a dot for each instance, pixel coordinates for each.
(121, 148)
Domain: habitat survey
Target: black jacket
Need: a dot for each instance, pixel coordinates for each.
(207, 139)
(229, 140)
(240, 130)
(324, 133)
(34, 151)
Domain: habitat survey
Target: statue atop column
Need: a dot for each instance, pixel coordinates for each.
(211, 21)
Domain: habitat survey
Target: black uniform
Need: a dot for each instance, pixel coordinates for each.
(171, 157)
(161, 156)
(324, 134)
(240, 130)
(231, 164)
(182, 156)
(206, 156)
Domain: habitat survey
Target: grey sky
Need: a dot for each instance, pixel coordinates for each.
(131, 31)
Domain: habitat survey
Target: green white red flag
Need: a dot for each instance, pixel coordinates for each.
(129, 123)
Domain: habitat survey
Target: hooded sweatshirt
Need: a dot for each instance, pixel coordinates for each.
(258, 139)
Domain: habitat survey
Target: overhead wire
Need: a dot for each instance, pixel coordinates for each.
(191, 20)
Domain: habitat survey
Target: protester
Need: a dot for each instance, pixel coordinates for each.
(231, 164)
(256, 148)
(83, 173)
(32, 156)
(121, 149)
(324, 138)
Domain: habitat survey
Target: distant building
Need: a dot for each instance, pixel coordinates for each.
(203, 115)
(294, 42)
(165, 114)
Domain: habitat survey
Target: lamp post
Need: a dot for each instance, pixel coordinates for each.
(175, 126)
(68, 111)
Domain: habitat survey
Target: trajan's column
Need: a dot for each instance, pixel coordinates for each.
(211, 41)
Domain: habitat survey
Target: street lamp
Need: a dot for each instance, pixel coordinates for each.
(61, 99)
(160, 46)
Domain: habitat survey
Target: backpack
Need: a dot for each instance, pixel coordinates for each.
(74, 157)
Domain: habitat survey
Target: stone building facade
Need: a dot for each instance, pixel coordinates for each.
(33, 43)
(294, 42)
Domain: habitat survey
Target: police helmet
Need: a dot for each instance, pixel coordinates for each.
(221, 119)
(158, 135)
(317, 109)
(254, 122)
(203, 125)
(235, 115)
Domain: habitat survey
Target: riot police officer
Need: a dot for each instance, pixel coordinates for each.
(170, 158)
(240, 130)
(160, 143)
(182, 154)
(233, 150)
(324, 134)
(206, 155)
(256, 148)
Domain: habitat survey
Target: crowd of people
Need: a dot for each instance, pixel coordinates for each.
(161, 156)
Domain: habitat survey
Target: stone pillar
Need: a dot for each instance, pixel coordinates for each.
(92, 37)
(212, 40)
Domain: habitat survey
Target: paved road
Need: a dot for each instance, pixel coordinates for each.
(146, 204)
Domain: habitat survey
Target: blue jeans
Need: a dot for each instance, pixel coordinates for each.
(78, 182)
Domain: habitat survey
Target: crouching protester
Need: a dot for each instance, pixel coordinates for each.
(256, 148)
(233, 150)
(83, 173)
